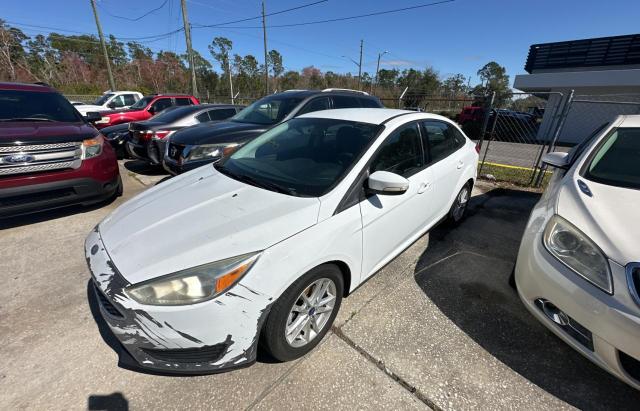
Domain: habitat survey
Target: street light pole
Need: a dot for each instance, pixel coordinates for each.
(360, 67)
(266, 58)
(187, 35)
(377, 70)
(112, 83)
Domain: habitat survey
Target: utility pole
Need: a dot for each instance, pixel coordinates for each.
(112, 83)
(230, 79)
(360, 67)
(266, 59)
(187, 35)
(377, 70)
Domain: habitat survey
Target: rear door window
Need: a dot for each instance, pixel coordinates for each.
(183, 101)
(369, 102)
(345, 102)
(317, 104)
(203, 117)
(129, 99)
(440, 139)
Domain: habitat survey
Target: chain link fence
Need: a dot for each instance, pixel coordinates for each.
(83, 98)
(519, 131)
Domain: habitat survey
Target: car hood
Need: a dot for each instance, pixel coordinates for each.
(609, 217)
(85, 108)
(31, 132)
(197, 218)
(219, 132)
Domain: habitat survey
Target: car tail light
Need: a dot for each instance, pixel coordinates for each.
(160, 134)
(478, 148)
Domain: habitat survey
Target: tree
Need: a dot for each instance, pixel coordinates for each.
(387, 78)
(494, 79)
(11, 51)
(290, 80)
(275, 63)
(455, 85)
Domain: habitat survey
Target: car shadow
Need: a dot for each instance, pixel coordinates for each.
(465, 272)
(127, 362)
(144, 168)
(111, 402)
(48, 215)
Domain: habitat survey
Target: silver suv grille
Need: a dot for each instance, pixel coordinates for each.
(20, 159)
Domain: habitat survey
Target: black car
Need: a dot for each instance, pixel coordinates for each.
(117, 136)
(147, 138)
(206, 143)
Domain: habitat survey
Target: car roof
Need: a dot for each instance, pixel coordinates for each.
(328, 91)
(369, 115)
(631, 121)
(27, 87)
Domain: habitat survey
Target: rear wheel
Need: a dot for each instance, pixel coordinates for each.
(304, 313)
(459, 207)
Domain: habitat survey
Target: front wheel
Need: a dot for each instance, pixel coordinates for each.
(459, 207)
(304, 313)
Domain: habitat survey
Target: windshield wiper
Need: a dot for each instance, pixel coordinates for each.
(268, 185)
(26, 119)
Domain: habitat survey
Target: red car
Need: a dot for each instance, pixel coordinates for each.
(144, 109)
(50, 156)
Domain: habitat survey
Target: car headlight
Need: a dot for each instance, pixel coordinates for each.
(92, 147)
(575, 250)
(193, 285)
(211, 151)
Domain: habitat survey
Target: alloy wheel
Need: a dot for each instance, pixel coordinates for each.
(461, 204)
(311, 312)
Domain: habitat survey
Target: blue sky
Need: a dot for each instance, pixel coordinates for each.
(456, 37)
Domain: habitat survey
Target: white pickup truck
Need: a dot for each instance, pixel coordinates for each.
(110, 100)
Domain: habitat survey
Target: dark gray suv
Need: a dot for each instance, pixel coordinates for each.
(205, 143)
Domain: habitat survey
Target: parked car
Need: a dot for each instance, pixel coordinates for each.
(147, 138)
(144, 109)
(117, 136)
(578, 268)
(49, 155)
(196, 146)
(264, 244)
(110, 100)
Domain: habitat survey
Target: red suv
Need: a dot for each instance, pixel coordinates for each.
(49, 155)
(144, 109)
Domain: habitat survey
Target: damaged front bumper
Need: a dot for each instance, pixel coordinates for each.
(200, 338)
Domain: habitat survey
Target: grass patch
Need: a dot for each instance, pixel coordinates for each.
(519, 176)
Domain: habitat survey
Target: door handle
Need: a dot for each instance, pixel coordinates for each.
(423, 187)
(460, 164)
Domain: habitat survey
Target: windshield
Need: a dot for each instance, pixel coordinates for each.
(269, 110)
(302, 157)
(142, 103)
(103, 99)
(615, 162)
(171, 114)
(17, 105)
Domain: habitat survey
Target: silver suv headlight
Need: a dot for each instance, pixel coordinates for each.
(193, 285)
(575, 250)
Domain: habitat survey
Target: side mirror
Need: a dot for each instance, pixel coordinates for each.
(92, 116)
(387, 183)
(111, 105)
(556, 159)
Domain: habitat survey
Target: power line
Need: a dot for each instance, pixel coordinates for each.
(15, 23)
(260, 16)
(378, 13)
(137, 18)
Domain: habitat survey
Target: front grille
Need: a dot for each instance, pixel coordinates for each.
(33, 158)
(106, 304)
(630, 365)
(208, 353)
(633, 281)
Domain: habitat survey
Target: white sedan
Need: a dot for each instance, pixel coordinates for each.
(578, 268)
(264, 244)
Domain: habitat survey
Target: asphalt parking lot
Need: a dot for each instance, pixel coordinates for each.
(438, 328)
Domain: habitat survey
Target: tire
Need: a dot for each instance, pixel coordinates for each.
(512, 279)
(459, 207)
(119, 188)
(283, 318)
